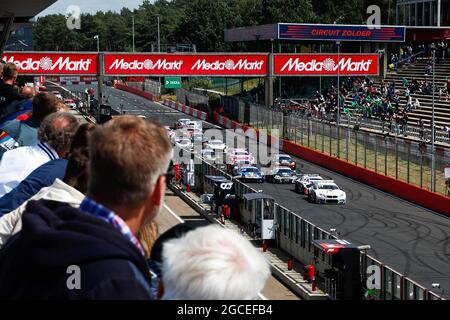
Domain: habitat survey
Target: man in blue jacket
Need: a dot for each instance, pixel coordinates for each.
(25, 131)
(92, 252)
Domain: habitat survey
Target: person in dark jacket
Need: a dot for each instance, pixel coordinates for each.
(92, 252)
(8, 92)
(55, 239)
(25, 132)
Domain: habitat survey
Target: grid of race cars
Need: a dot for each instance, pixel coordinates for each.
(242, 165)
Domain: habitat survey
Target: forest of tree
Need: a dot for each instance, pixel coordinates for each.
(199, 22)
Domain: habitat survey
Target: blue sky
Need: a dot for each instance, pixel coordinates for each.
(91, 6)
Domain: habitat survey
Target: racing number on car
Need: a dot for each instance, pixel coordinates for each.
(226, 186)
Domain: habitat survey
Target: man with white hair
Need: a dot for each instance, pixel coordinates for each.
(212, 263)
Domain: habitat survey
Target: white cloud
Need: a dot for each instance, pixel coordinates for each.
(91, 6)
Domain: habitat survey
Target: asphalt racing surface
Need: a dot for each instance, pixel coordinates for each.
(410, 239)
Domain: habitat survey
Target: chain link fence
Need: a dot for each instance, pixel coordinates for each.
(406, 160)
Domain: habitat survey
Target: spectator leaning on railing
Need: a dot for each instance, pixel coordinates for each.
(24, 132)
(129, 157)
(71, 169)
(55, 135)
(68, 187)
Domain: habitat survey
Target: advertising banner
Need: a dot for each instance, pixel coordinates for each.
(325, 64)
(37, 63)
(215, 64)
(332, 32)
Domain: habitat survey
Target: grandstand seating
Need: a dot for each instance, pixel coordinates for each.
(417, 71)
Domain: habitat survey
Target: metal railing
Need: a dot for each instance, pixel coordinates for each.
(295, 236)
(388, 154)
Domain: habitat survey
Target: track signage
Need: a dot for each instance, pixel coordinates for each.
(186, 64)
(37, 63)
(325, 64)
(334, 32)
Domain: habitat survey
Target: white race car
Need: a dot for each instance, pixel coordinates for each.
(215, 144)
(304, 182)
(181, 123)
(326, 191)
(183, 143)
(210, 155)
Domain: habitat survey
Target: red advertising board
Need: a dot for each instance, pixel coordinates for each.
(214, 64)
(325, 64)
(37, 63)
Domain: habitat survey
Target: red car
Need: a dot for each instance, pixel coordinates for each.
(283, 160)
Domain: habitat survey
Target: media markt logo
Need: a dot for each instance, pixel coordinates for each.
(147, 64)
(329, 64)
(345, 64)
(229, 64)
(46, 63)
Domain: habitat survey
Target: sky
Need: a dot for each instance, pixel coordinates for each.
(90, 6)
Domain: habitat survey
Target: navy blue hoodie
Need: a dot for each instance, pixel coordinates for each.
(34, 263)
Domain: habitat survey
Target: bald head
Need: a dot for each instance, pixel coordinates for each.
(28, 92)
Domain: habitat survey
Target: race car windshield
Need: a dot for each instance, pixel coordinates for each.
(329, 187)
(285, 171)
(240, 153)
(250, 170)
(284, 159)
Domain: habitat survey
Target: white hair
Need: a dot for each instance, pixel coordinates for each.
(212, 263)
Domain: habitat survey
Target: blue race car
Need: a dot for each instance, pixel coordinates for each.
(249, 173)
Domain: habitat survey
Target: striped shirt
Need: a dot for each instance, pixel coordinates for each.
(17, 164)
(95, 209)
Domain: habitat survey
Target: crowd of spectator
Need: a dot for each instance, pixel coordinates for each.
(77, 210)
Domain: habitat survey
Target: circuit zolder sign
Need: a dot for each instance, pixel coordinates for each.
(244, 65)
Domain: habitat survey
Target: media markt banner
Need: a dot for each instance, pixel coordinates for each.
(172, 82)
(325, 64)
(44, 63)
(214, 64)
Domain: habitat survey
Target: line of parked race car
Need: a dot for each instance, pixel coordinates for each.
(242, 165)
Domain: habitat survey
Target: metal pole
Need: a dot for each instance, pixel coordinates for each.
(433, 156)
(338, 102)
(279, 78)
(100, 83)
(133, 29)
